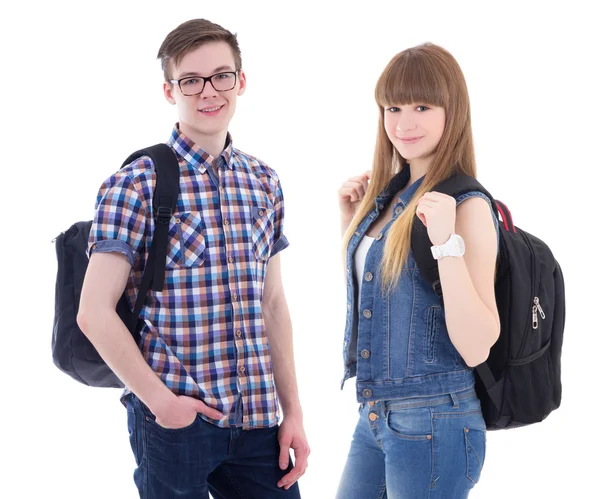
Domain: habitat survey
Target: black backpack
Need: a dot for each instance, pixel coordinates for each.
(519, 384)
(72, 352)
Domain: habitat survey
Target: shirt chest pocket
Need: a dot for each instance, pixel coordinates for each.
(262, 220)
(186, 241)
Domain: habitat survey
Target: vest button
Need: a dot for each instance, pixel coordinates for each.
(367, 313)
(366, 393)
(379, 236)
(398, 210)
(368, 276)
(365, 354)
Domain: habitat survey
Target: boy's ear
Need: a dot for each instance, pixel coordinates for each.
(169, 89)
(242, 78)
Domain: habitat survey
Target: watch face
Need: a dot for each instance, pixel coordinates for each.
(460, 244)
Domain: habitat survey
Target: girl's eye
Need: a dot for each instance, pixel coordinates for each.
(422, 108)
(393, 109)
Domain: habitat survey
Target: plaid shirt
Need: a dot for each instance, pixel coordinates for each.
(204, 334)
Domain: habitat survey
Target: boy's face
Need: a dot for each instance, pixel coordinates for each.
(209, 112)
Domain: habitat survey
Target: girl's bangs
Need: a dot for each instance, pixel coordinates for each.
(408, 79)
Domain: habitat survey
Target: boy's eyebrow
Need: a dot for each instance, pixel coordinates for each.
(216, 70)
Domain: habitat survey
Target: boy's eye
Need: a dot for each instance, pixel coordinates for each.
(223, 76)
(190, 81)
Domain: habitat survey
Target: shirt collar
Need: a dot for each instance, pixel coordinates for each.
(195, 155)
(397, 183)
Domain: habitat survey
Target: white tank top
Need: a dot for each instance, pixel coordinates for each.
(360, 256)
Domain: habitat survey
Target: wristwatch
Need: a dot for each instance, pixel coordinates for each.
(454, 246)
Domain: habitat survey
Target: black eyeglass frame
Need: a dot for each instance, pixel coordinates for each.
(206, 79)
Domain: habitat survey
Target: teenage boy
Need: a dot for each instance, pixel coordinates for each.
(201, 399)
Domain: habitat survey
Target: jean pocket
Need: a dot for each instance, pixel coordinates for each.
(410, 424)
(475, 442)
(262, 232)
(150, 419)
(186, 241)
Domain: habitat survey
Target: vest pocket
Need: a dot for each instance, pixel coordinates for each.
(433, 314)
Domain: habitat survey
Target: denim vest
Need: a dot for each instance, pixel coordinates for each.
(397, 345)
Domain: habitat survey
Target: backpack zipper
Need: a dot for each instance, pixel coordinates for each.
(54, 240)
(534, 310)
(537, 307)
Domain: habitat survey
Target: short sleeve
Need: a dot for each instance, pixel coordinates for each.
(280, 242)
(120, 218)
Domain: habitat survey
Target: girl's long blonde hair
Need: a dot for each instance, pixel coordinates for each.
(425, 74)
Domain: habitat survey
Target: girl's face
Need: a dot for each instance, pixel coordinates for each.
(415, 129)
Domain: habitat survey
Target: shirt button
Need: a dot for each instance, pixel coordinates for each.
(242, 369)
(373, 416)
(368, 276)
(94, 247)
(234, 296)
(349, 306)
(379, 236)
(221, 189)
(230, 260)
(366, 393)
(178, 220)
(365, 354)
(367, 314)
(398, 210)
(238, 333)
(261, 213)
(226, 222)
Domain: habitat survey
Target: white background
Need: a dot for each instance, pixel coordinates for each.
(81, 89)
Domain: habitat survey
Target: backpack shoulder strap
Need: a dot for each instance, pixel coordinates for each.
(164, 203)
(454, 186)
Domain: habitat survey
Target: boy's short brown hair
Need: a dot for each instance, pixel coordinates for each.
(189, 36)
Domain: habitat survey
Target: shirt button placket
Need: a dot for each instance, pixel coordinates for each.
(235, 299)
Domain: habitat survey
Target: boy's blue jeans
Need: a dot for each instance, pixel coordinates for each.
(419, 448)
(189, 462)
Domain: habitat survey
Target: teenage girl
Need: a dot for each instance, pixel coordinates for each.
(420, 433)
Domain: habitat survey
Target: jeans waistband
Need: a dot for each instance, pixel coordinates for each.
(449, 398)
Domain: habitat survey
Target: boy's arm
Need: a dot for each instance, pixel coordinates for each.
(279, 332)
(105, 280)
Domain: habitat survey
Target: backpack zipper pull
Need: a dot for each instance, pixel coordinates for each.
(536, 300)
(54, 240)
(535, 317)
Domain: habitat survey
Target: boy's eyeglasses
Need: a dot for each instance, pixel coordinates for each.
(194, 85)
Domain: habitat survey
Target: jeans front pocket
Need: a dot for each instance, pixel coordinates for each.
(186, 241)
(262, 232)
(410, 424)
(475, 448)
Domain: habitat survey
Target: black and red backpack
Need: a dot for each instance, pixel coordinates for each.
(520, 383)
